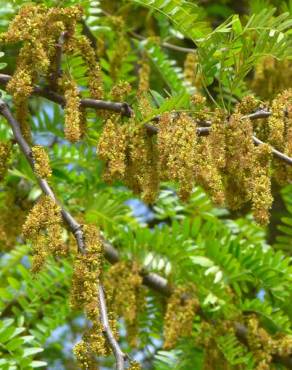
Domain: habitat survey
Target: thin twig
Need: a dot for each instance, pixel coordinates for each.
(73, 225)
(118, 353)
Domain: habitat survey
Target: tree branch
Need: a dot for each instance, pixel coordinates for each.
(203, 131)
(74, 227)
(123, 108)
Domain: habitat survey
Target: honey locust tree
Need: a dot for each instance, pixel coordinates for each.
(145, 184)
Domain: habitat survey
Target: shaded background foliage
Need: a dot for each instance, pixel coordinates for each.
(185, 242)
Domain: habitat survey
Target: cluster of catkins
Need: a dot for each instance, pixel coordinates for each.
(226, 163)
(42, 32)
(14, 206)
(5, 151)
(43, 226)
(122, 280)
(263, 346)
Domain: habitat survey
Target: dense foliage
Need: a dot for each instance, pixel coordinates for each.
(146, 184)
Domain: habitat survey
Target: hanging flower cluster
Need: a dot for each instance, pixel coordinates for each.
(43, 226)
(279, 133)
(41, 162)
(112, 148)
(5, 151)
(226, 163)
(14, 207)
(135, 366)
(40, 29)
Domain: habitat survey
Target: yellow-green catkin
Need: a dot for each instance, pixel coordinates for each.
(217, 139)
(239, 160)
(164, 142)
(41, 162)
(145, 107)
(112, 149)
(143, 77)
(141, 173)
(72, 129)
(20, 87)
(86, 273)
(120, 91)
(135, 145)
(200, 111)
(150, 178)
(43, 226)
(276, 122)
(13, 207)
(84, 357)
(22, 117)
(95, 83)
(279, 125)
(206, 172)
(96, 341)
(83, 122)
(261, 189)
(181, 309)
(247, 105)
(5, 152)
(177, 148)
